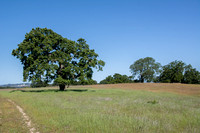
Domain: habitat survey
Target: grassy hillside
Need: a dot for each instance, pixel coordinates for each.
(109, 110)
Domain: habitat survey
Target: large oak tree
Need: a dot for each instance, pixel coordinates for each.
(47, 56)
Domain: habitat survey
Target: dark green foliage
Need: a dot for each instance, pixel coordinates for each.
(153, 102)
(117, 78)
(6, 87)
(173, 72)
(145, 68)
(46, 56)
(166, 81)
(108, 80)
(178, 72)
(85, 82)
(92, 82)
(191, 75)
(136, 81)
(38, 84)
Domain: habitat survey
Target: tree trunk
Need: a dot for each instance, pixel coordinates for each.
(62, 87)
(142, 79)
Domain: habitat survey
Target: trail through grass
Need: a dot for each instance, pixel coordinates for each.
(11, 120)
(109, 110)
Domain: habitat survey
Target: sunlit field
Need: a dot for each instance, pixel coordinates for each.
(107, 109)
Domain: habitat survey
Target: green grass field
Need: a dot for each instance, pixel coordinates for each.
(108, 110)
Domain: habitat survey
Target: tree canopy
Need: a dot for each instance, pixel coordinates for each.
(191, 75)
(145, 68)
(47, 56)
(179, 72)
(173, 72)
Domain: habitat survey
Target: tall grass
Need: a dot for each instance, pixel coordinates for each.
(109, 110)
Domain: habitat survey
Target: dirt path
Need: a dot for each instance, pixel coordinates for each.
(25, 118)
(11, 120)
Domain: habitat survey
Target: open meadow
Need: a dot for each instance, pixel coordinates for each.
(147, 107)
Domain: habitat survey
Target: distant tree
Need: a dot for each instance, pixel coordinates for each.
(116, 78)
(108, 80)
(191, 75)
(121, 78)
(145, 68)
(173, 72)
(47, 56)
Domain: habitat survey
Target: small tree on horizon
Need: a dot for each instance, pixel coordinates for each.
(145, 68)
(47, 56)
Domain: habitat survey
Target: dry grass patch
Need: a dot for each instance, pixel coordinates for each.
(186, 89)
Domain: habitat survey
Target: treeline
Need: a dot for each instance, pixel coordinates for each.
(117, 78)
(179, 72)
(148, 70)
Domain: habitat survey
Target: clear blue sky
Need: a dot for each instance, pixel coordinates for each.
(120, 31)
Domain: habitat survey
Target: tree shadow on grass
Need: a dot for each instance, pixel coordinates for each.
(54, 90)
